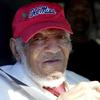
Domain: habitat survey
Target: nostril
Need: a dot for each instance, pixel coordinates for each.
(53, 49)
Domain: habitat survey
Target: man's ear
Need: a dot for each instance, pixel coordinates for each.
(13, 47)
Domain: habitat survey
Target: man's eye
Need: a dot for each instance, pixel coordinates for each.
(61, 37)
(64, 37)
(38, 39)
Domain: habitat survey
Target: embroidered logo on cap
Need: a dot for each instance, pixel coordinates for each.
(41, 10)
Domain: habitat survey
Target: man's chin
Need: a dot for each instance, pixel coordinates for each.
(55, 75)
(53, 80)
(53, 83)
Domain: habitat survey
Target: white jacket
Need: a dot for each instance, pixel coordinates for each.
(9, 90)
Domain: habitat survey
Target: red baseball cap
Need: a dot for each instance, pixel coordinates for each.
(33, 17)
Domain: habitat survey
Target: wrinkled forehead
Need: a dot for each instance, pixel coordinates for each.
(49, 33)
(52, 31)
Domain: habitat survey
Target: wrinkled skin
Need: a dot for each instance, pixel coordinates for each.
(47, 53)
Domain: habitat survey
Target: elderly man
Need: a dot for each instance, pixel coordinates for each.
(41, 45)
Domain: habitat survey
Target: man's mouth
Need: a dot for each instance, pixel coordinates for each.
(52, 61)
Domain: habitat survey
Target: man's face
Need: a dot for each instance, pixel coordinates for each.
(47, 53)
(79, 16)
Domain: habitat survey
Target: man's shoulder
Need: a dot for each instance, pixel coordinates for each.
(74, 78)
(4, 78)
(6, 67)
(3, 75)
(8, 88)
(10, 68)
(4, 87)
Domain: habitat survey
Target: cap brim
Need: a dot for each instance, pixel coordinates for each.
(34, 29)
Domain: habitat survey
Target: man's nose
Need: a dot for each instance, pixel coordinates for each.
(53, 46)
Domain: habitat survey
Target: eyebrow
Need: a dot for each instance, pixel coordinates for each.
(52, 32)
